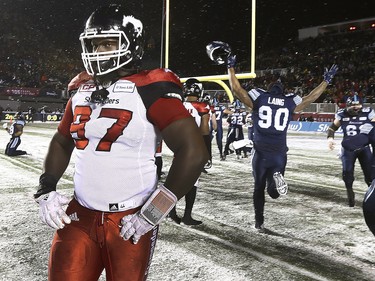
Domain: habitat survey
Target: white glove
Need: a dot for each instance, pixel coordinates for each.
(134, 225)
(51, 211)
(331, 144)
(5, 126)
(156, 208)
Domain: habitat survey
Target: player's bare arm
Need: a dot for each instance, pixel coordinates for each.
(331, 133)
(237, 89)
(184, 138)
(315, 93)
(312, 96)
(58, 155)
(205, 127)
(221, 53)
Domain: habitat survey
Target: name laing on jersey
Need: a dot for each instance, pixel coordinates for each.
(276, 101)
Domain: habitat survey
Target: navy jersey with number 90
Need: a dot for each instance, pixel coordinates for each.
(271, 115)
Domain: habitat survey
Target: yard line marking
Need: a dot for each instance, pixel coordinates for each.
(19, 163)
(257, 254)
(323, 185)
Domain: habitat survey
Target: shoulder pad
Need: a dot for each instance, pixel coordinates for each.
(78, 80)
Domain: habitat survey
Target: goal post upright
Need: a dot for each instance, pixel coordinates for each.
(216, 78)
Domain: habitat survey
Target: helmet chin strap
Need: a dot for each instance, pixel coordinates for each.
(99, 95)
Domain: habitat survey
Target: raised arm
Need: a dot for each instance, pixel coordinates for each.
(236, 87)
(315, 93)
(221, 53)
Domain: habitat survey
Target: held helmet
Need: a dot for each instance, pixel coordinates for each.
(354, 104)
(192, 87)
(112, 22)
(218, 52)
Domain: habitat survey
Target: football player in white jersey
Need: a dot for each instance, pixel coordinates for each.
(193, 90)
(115, 118)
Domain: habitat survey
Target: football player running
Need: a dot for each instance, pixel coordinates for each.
(366, 136)
(113, 122)
(351, 119)
(272, 110)
(193, 90)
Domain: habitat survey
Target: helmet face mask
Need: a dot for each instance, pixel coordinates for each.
(353, 105)
(115, 23)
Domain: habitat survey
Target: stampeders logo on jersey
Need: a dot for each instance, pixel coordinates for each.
(87, 88)
(124, 86)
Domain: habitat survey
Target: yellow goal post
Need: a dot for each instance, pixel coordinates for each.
(218, 79)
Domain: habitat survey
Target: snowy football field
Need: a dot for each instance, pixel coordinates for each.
(311, 233)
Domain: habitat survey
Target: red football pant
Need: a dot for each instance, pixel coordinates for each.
(92, 242)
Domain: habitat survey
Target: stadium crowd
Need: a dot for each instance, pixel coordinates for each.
(27, 59)
(301, 61)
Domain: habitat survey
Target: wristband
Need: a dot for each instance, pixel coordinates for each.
(47, 183)
(158, 206)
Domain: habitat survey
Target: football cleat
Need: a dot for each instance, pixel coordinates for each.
(190, 221)
(351, 197)
(280, 183)
(208, 164)
(174, 217)
(259, 227)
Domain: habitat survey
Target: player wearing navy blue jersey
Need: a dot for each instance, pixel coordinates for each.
(272, 111)
(351, 119)
(15, 130)
(220, 111)
(235, 131)
(365, 137)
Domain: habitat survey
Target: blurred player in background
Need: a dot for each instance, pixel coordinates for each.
(220, 111)
(206, 98)
(363, 138)
(159, 160)
(351, 119)
(114, 122)
(16, 131)
(193, 90)
(236, 121)
(272, 110)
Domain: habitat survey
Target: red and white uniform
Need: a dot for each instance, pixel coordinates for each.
(197, 109)
(116, 141)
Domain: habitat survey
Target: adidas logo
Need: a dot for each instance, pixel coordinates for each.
(113, 207)
(74, 217)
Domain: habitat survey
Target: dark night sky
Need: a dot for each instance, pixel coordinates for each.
(194, 23)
